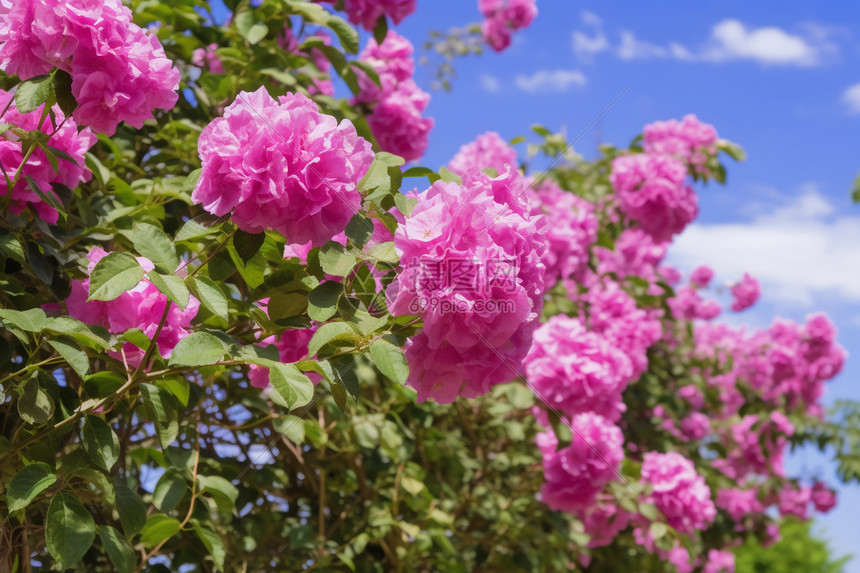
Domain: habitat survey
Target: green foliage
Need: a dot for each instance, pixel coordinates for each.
(799, 549)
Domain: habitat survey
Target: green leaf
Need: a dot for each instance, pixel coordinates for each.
(380, 30)
(101, 443)
(113, 275)
(405, 204)
(169, 490)
(35, 405)
(213, 543)
(198, 349)
(68, 349)
(209, 294)
(63, 91)
(154, 244)
(10, 247)
(172, 287)
(330, 332)
(29, 482)
(256, 33)
(385, 253)
(248, 244)
(178, 387)
(69, 529)
(200, 226)
(32, 320)
(291, 427)
(658, 530)
(287, 305)
(95, 337)
(163, 409)
(131, 509)
(334, 259)
(158, 528)
(347, 34)
(390, 360)
(118, 548)
(449, 177)
(47, 197)
(103, 384)
(222, 491)
(291, 384)
(33, 92)
(322, 301)
(359, 230)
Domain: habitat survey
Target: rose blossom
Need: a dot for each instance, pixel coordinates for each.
(282, 165)
(745, 293)
(678, 491)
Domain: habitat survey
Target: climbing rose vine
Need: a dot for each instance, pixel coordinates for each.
(244, 329)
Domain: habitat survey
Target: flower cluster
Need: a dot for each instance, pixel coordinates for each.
(745, 293)
(366, 13)
(119, 71)
(208, 58)
(38, 170)
(576, 474)
(503, 18)
(487, 151)
(471, 257)
(397, 103)
(142, 307)
(282, 165)
(651, 191)
(690, 140)
(678, 491)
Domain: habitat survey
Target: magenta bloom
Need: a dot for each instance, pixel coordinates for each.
(795, 502)
(571, 230)
(471, 258)
(141, 307)
(576, 371)
(487, 151)
(575, 475)
(745, 293)
(636, 254)
(823, 497)
(739, 503)
(719, 562)
(688, 304)
(282, 165)
(119, 71)
(397, 104)
(651, 191)
(689, 140)
(208, 58)
(397, 123)
(366, 13)
(701, 276)
(38, 168)
(678, 491)
(503, 17)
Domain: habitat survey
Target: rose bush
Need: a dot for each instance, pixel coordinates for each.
(239, 334)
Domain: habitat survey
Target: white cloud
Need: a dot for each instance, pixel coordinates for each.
(803, 252)
(489, 83)
(584, 45)
(549, 81)
(731, 40)
(633, 49)
(851, 99)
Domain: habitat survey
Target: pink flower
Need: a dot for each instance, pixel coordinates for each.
(282, 165)
(652, 192)
(488, 150)
(471, 258)
(397, 123)
(503, 17)
(142, 307)
(696, 426)
(397, 103)
(576, 371)
(208, 58)
(719, 562)
(688, 304)
(678, 491)
(38, 168)
(739, 503)
(823, 497)
(576, 474)
(795, 502)
(119, 71)
(745, 293)
(570, 231)
(635, 254)
(689, 140)
(367, 12)
(603, 520)
(701, 276)
(693, 396)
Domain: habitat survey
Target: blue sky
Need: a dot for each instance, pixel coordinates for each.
(773, 77)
